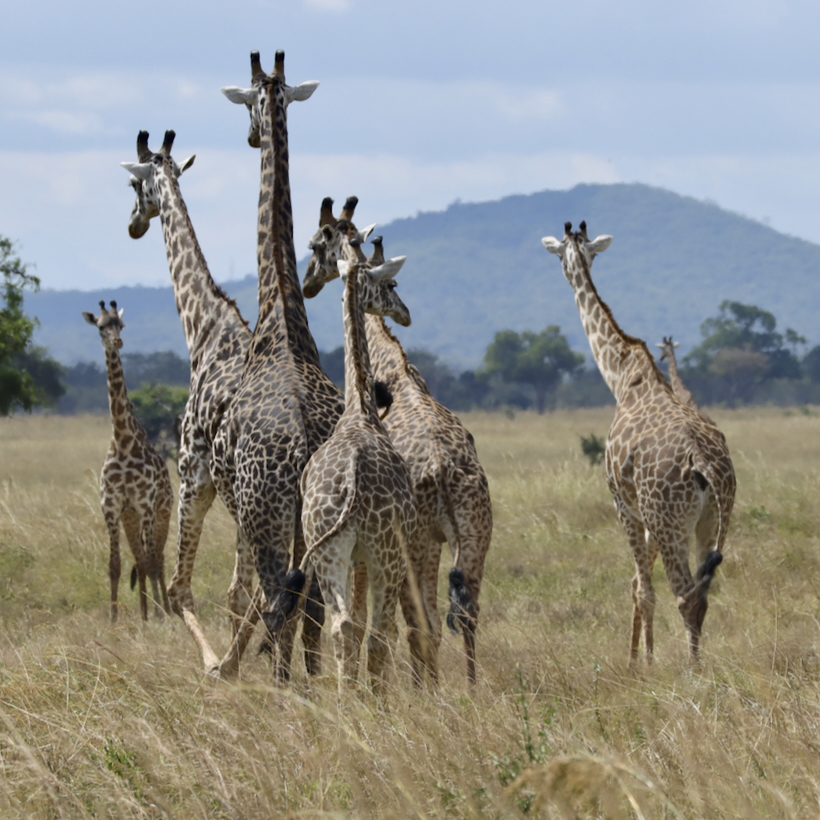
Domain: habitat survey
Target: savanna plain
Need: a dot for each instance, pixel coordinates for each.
(119, 721)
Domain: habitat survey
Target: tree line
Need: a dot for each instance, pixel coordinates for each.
(741, 359)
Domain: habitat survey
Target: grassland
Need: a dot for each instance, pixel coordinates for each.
(102, 721)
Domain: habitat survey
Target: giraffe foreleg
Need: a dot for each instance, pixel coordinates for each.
(112, 523)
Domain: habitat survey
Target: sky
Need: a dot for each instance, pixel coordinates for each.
(420, 104)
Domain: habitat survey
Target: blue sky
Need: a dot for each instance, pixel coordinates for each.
(420, 104)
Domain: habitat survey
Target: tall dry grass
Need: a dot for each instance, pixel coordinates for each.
(102, 721)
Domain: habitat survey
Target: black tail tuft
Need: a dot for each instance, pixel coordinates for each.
(706, 571)
(461, 605)
(285, 603)
(133, 576)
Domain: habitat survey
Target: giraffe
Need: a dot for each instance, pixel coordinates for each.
(135, 488)
(285, 405)
(358, 501)
(449, 484)
(668, 469)
(217, 338)
(667, 347)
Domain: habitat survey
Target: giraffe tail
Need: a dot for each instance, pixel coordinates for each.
(285, 604)
(133, 576)
(462, 609)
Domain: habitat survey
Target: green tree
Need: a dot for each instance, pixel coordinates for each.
(159, 408)
(538, 359)
(28, 377)
(750, 328)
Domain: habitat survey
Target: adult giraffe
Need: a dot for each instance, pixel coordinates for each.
(668, 468)
(285, 405)
(449, 484)
(217, 338)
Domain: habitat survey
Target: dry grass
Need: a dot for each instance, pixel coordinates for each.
(101, 721)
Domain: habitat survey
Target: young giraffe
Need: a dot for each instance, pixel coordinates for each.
(450, 487)
(668, 469)
(285, 406)
(667, 347)
(217, 338)
(134, 484)
(358, 503)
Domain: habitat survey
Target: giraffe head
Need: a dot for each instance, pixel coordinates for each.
(326, 244)
(109, 323)
(666, 347)
(144, 179)
(266, 89)
(575, 248)
(376, 283)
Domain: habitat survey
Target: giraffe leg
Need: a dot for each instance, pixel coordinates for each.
(163, 525)
(643, 592)
(239, 592)
(196, 494)
(382, 630)
(133, 533)
(112, 522)
(358, 604)
(415, 617)
(153, 562)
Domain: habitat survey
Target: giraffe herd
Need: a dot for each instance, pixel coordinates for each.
(334, 502)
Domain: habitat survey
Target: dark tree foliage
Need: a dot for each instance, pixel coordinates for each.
(541, 360)
(28, 377)
(159, 408)
(740, 351)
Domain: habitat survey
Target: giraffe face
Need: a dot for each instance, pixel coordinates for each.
(266, 88)
(144, 177)
(377, 288)
(327, 245)
(576, 250)
(109, 323)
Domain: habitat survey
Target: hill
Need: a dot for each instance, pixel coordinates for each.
(474, 269)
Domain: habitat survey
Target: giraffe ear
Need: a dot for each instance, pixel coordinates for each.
(365, 232)
(246, 96)
(140, 170)
(600, 244)
(90, 318)
(675, 344)
(120, 312)
(187, 164)
(388, 269)
(344, 268)
(660, 345)
(301, 92)
(553, 245)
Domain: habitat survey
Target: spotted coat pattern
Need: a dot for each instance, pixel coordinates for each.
(217, 338)
(358, 498)
(285, 406)
(135, 488)
(449, 484)
(668, 468)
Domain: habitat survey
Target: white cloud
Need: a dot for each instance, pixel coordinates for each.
(64, 122)
(328, 5)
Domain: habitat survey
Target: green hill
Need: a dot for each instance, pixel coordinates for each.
(478, 268)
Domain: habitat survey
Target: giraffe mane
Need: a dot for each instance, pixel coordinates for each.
(632, 341)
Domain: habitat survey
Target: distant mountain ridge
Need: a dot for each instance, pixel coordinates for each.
(474, 269)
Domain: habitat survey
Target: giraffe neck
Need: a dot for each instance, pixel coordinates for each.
(388, 361)
(359, 398)
(281, 305)
(621, 358)
(674, 376)
(203, 306)
(123, 422)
